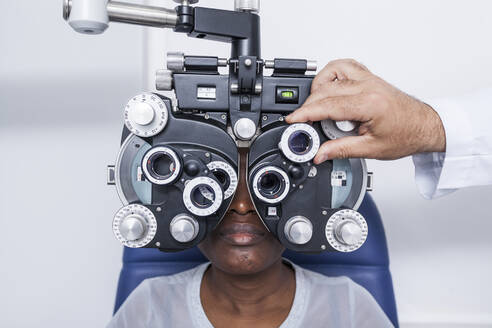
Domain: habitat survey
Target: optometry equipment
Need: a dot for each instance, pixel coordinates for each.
(177, 169)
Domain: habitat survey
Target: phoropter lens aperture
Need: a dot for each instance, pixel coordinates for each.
(300, 142)
(161, 165)
(203, 196)
(271, 184)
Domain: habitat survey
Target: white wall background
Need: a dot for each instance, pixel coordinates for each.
(61, 101)
(61, 96)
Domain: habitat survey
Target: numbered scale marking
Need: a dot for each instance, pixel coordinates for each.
(146, 115)
(348, 224)
(136, 213)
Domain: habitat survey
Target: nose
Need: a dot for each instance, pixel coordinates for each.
(242, 203)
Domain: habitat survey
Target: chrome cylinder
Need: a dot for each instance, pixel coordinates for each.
(141, 15)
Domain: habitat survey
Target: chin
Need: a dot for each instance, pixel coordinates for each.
(242, 260)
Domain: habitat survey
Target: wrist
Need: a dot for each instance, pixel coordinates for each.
(435, 140)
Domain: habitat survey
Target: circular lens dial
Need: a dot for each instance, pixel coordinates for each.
(134, 226)
(271, 185)
(339, 129)
(226, 175)
(161, 165)
(202, 196)
(299, 143)
(146, 115)
(346, 230)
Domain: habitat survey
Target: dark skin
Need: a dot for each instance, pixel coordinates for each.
(247, 284)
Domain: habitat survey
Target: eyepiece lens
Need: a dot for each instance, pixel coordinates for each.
(271, 185)
(203, 196)
(300, 143)
(162, 165)
(223, 178)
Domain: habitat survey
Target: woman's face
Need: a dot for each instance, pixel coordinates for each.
(241, 244)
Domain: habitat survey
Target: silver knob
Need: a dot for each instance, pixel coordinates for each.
(252, 6)
(175, 61)
(163, 80)
(346, 230)
(245, 129)
(298, 230)
(349, 233)
(146, 115)
(132, 228)
(184, 228)
(346, 126)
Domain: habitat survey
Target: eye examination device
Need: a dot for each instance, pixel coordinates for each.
(178, 167)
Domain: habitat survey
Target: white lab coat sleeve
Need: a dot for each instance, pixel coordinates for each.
(467, 161)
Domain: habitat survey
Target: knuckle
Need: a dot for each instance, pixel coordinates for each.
(378, 100)
(342, 151)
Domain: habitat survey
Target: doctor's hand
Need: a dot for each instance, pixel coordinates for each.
(392, 124)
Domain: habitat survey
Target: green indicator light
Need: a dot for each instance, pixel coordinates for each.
(287, 94)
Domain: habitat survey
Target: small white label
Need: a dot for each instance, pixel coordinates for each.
(272, 211)
(339, 179)
(207, 93)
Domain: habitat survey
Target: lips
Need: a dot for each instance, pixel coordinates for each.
(241, 233)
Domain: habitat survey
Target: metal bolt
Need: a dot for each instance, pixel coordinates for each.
(224, 117)
(206, 171)
(222, 62)
(313, 172)
(258, 88)
(265, 117)
(281, 118)
(158, 244)
(207, 116)
(284, 163)
(248, 62)
(207, 154)
(301, 187)
(323, 247)
(294, 185)
(158, 209)
(324, 212)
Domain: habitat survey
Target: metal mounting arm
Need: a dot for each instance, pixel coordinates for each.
(241, 28)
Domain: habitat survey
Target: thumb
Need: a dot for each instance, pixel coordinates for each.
(347, 147)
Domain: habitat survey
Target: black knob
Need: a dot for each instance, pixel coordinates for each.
(296, 172)
(192, 168)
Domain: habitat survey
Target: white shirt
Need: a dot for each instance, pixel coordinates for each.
(467, 161)
(319, 301)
